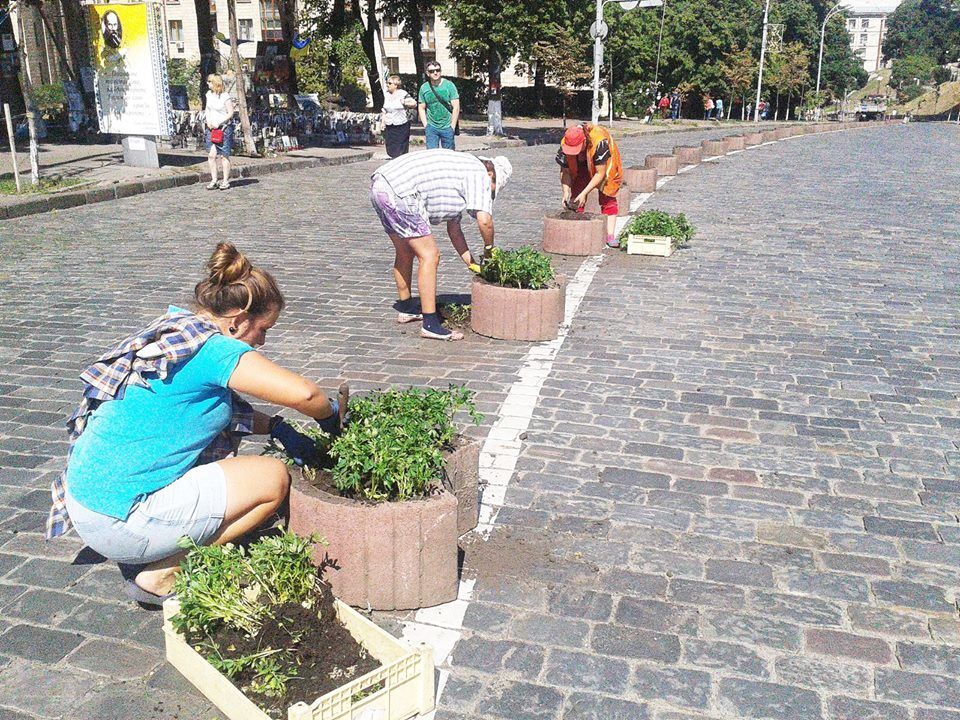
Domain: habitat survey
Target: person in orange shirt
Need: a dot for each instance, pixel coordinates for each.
(589, 160)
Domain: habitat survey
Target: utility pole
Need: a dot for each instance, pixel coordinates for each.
(763, 53)
(597, 61)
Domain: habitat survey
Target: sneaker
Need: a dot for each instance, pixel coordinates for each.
(443, 334)
(212, 185)
(403, 317)
(224, 185)
(613, 243)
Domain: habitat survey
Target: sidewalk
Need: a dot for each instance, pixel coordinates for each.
(104, 176)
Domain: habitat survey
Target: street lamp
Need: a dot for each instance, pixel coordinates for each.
(599, 31)
(763, 52)
(823, 30)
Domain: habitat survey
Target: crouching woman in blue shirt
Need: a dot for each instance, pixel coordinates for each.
(149, 443)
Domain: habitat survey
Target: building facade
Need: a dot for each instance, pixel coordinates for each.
(256, 20)
(867, 27)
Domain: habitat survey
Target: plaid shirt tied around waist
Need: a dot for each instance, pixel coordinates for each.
(176, 337)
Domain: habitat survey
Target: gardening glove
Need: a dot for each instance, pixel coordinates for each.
(331, 425)
(302, 449)
(474, 268)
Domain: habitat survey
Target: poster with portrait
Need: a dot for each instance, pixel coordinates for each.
(130, 69)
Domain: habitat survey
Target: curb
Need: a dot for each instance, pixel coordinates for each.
(62, 201)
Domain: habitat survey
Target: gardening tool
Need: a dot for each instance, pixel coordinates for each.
(343, 399)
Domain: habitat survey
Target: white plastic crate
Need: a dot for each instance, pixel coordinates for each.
(661, 245)
(406, 675)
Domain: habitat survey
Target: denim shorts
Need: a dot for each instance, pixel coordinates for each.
(194, 505)
(226, 147)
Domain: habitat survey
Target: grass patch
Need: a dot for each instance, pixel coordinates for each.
(8, 185)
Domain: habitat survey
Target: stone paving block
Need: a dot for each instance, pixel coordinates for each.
(751, 630)
(580, 603)
(935, 659)
(739, 573)
(656, 615)
(42, 607)
(113, 659)
(844, 644)
(48, 573)
(582, 671)
(728, 657)
(749, 699)
(39, 644)
(911, 595)
(900, 528)
(824, 675)
(522, 701)
(709, 594)
(935, 714)
(907, 687)
(676, 686)
(108, 619)
(40, 690)
(483, 654)
(637, 644)
(846, 708)
(586, 706)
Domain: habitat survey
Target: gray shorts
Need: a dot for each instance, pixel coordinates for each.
(194, 505)
(399, 216)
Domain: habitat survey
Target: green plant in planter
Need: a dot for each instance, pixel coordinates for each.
(50, 96)
(657, 222)
(392, 448)
(321, 441)
(524, 267)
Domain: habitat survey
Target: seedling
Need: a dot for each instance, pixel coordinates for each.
(657, 222)
(524, 267)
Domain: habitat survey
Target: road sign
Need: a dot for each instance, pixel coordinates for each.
(604, 30)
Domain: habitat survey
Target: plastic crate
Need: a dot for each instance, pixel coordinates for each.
(661, 245)
(406, 675)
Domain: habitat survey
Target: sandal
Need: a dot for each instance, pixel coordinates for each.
(403, 317)
(447, 335)
(138, 594)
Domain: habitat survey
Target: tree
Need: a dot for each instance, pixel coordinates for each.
(910, 69)
(740, 72)
(789, 72)
(208, 55)
(409, 15)
(924, 27)
(241, 82)
(560, 58)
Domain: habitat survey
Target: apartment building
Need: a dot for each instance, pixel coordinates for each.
(256, 20)
(867, 27)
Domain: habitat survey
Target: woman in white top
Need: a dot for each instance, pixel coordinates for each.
(219, 115)
(396, 123)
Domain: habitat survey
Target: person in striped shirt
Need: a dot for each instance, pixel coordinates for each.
(412, 192)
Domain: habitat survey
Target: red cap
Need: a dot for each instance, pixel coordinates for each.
(573, 140)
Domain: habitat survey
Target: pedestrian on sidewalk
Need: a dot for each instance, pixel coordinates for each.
(439, 104)
(590, 160)
(719, 109)
(149, 444)
(664, 105)
(415, 191)
(396, 122)
(707, 106)
(675, 105)
(219, 131)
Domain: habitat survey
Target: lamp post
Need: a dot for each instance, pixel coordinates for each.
(656, 71)
(823, 31)
(763, 52)
(599, 36)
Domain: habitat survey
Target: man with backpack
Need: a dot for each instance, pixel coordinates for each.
(439, 106)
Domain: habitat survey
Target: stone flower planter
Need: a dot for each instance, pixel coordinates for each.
(461, 476)
(510, 313)
(688, 154)
(751, 139)
(664, 164)
(570, 233)
(640, 180)
(713, 148)
(734, 143)
(623, 202)
(392, 555)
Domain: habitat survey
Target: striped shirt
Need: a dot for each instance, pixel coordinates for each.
(442, 183)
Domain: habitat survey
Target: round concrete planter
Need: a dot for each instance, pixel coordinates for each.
(623, 202)
(713, 148)
(752, 139)
(733, 143)
(461, 476)
(664, 164)
(640, 180)
(513, 314)
(586, 236)
(391, 555)
(688, 154)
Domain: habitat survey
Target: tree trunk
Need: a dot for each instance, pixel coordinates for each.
(208, 56)
(415, 20)
(539, 85)
(241, 80)
(337, 23)
(60, 45)
(494, 108)
(729, 107)
(368, 41)
(26, 89)
(776, 111)
(288, 24)
(789, 98)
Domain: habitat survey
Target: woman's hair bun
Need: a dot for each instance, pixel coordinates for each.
(228, 265)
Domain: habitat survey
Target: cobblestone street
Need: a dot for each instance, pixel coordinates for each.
(737, 498)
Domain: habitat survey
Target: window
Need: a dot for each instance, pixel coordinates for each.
(213, 15)
(391, 31)
(393, 65)
(429, 56)
(176, 31)
(852, 24)
(863, 38)
(428, 32)
(245, 29)
(270, 20)
(865, 23)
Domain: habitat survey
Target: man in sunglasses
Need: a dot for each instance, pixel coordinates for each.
(439, 104)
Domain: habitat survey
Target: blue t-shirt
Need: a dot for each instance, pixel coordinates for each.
(152, 436)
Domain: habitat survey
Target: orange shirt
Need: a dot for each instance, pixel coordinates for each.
(600, 150)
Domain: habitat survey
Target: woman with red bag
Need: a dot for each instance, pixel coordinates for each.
(219, 135)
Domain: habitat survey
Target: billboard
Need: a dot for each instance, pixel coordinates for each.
(130, 69)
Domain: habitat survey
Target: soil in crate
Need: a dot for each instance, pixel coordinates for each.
(324, 653)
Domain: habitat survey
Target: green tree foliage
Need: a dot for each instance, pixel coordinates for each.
(910, 69)
(924, 27)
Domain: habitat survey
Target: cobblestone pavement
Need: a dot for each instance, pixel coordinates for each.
(737, 498)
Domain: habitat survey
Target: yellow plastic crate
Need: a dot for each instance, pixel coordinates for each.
(661, 245)
(406, 675)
